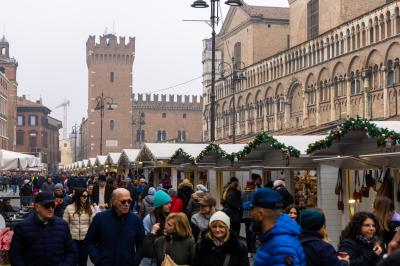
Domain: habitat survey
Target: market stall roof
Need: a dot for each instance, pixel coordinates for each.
(187, 154)
(219, 154)
(112, 158)
(85, 163)
(388, 160)
(164, 151)
(272, 152)
(347, 162)
(92, 162)
(101, 160)
(10, 160)
(357, 136)
(128, 156)
(80, 164)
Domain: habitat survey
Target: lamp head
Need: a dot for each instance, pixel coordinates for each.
(234, 3)
(199, 4)
(112, 106)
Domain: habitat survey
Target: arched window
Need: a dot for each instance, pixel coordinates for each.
(390, 74)
(111, 124)
(237, 53)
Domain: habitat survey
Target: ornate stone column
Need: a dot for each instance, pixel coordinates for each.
(276, 114)
(348, 97)
(265, 115)
(287, 114)
(386, 103)
(332, 99)
(305, 104)
(365, 102)
(317, 101)
(255, 110)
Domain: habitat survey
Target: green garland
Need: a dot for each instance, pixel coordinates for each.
(179, 152)
(382, 135)
(264, 137)
(213, 147)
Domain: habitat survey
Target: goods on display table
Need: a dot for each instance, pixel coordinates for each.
(305, 188)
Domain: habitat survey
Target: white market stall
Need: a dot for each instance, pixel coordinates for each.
(10, 160)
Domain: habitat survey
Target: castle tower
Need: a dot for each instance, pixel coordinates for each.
(8, 66)
(110, 65)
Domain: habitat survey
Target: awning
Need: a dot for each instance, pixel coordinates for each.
(347, 162)
(389, 160)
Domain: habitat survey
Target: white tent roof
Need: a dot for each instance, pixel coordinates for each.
(92, 161)
(131, 154)
(299, 142)
(164, 151)
(113, 157)
(101, 160)
(85, 163)
(80, 163)
(391, 125)
(231, 148)
(10, 160)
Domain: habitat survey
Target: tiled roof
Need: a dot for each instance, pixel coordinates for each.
(267, 11)
(23, 102)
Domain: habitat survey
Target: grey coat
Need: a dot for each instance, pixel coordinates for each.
(181, 251)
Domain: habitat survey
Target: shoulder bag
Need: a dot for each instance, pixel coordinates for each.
(339, 191)
(364, 188)
(357, 194)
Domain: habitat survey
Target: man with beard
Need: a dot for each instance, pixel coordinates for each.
(278, 232)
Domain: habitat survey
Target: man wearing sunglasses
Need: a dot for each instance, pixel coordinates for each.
(42, 239)
(115, 237)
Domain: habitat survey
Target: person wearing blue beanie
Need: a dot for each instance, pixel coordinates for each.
(161, 198)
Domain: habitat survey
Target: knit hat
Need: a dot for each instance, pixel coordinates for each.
(220, 216)
(266, 198)
(161, 198)
(202, 188)
(151, 191)
(278, 183)
(58, 186)
(312, 219)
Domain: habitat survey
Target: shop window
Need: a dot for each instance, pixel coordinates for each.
(305, 189)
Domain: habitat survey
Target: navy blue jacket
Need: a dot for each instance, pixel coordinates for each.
(280, 245)
(319, 252)
(37, 244)
(59, 210)
(115, 240)
(360, 254)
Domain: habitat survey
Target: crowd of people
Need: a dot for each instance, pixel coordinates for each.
(130, 221)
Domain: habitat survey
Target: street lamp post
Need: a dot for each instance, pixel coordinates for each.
(101, 102)
(236, 76)
(213, 20)
(74, 132)
(140, 122)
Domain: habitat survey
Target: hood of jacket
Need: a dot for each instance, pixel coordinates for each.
(201, 221)
(284, 226)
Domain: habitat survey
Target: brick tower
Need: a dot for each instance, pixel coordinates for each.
(110, 65)
(8, 66)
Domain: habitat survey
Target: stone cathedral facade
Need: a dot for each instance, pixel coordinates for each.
(306, 67)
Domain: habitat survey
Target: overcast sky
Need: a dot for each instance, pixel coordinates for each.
(48, 38)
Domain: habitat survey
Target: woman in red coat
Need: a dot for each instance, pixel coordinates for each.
(176, 202)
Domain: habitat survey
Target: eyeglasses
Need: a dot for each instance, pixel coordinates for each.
(123, 202)
(84, 196)
(49, 205)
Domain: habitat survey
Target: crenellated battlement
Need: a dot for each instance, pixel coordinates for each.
(110, 41)
(171, 99)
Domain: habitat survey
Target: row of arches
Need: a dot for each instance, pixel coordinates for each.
(365, 31)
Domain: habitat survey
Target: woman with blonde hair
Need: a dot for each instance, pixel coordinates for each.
(177, 241)
(221, 246)
(384, 212)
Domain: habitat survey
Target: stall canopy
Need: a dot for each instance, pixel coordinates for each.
(92, 162)
(101, 160)
(10, 160)
(128, 157)
(356, 137)
(271, 152)
(222, 155)
(165, 151)
(112, 158)
(85, 163)
(187, 154)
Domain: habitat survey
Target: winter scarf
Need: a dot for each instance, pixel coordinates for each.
(367, 241)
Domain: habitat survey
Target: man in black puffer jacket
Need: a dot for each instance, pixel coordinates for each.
(42, 239)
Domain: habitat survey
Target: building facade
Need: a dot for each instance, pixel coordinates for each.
(65, 152)
(8, 70)
(158, 119)
(4, 84)
(38, 133)
(342, 67)
(109, 63)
